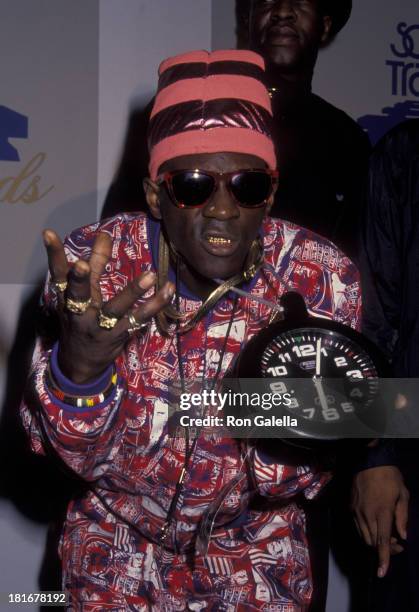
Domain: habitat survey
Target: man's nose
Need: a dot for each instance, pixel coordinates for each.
(221, 205)
(283, 9)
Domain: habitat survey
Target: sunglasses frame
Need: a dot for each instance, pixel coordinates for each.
(167, 178)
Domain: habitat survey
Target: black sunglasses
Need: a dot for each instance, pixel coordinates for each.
(194, 188)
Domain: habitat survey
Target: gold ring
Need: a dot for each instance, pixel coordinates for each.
(77, 306)
(135, 325)
(106, 322)
(60, 286)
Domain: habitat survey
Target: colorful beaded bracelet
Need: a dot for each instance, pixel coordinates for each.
(77, 401)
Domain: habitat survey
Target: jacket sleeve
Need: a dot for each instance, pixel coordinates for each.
(347, 297)
(278, 475)
(86, 439)
(381, 254)
(383, 453)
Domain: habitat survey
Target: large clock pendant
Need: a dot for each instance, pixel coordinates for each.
(329, 371)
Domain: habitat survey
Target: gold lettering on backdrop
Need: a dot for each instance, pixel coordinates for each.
(25, 186)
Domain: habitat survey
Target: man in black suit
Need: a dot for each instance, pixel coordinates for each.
(323, 153)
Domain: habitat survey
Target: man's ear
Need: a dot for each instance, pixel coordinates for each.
(152, 191)
(327, 24)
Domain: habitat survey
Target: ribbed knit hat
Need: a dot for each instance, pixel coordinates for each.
(211, 103)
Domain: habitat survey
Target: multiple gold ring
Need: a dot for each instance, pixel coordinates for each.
(77, 307)
(106, 322)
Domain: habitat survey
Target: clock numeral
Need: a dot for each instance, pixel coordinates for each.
(347, 407)
(278, 371)
(354, 374)
(341, 362)
(310, 412)
(305, 350)
(284, 357)
(330, 414)
(293, 403)
(278, 387)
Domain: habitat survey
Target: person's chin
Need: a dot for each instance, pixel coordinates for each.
(282, 56)
(218, 259)
(219, 269)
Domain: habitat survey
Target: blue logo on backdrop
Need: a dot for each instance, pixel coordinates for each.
(404, 83)
(12, 125)
(23, 184)
(405, 73)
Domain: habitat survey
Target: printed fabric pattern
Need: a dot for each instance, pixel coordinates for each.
(110, 550)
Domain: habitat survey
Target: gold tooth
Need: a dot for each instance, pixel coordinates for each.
(214, 240)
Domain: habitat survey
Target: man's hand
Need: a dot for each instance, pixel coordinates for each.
(85, 348)
(379, 501)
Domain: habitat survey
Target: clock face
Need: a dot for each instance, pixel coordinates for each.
(297, 353)
(342, 376)
(327, 374)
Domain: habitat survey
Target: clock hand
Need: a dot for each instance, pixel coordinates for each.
(318, 356)
(320, 392)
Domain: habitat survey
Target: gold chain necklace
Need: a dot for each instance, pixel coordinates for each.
(253, 264)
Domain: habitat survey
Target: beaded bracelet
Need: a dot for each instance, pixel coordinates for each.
(76, 401)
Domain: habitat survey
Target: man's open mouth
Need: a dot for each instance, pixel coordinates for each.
(217, 244)
(219, 240)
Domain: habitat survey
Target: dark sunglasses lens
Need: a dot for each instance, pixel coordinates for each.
(251, 188)
(192, 188)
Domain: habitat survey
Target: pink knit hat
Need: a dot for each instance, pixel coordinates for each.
(211, 103)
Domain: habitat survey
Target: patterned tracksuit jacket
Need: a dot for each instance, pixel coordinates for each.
(111, 556)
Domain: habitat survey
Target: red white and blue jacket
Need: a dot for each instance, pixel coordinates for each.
(112, 558)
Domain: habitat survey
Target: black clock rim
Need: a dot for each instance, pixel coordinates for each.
(248, 364)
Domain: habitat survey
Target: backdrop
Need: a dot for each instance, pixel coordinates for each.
(74, 75)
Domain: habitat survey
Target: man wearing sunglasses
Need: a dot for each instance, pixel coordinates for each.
(145, 301)
(323, 152)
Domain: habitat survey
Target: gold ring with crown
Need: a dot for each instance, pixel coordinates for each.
(106, 322)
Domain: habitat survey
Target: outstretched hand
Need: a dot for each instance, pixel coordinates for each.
(380, 502)
(85, 348)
